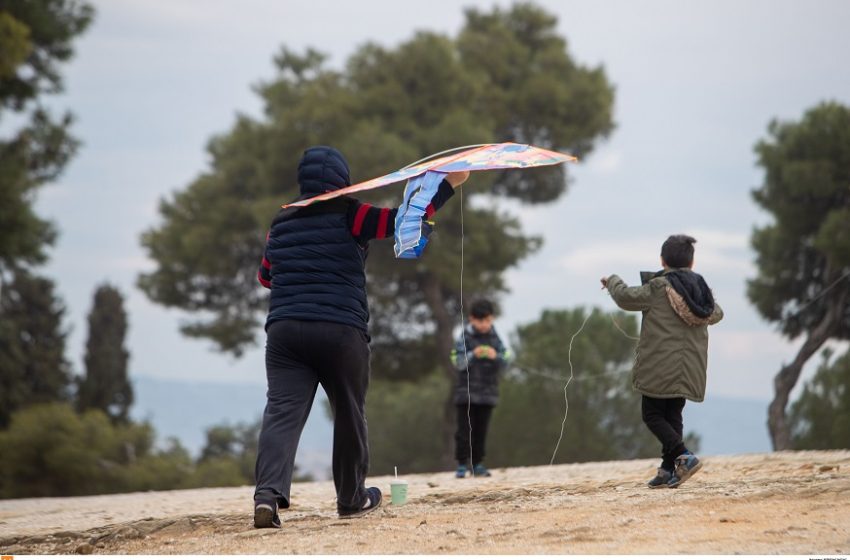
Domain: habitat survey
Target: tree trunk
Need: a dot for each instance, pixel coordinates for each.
(783, 383)
(444, 323)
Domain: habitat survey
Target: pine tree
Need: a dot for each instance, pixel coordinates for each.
(105, 385)
(35, 37)
(803, 255)
(33, 368)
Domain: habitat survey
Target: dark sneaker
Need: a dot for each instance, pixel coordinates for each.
(265, 516)
(686, 466)
(461, 471)
(480, 470)
(374, 501)
(661, 480)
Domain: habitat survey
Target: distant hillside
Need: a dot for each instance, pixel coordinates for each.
(186, 409)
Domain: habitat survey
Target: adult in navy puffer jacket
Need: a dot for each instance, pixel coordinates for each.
(314, 264)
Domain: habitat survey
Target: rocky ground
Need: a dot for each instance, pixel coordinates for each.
(777, 503)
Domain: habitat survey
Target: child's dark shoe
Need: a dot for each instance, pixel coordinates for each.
(686, 466)
(480, 470)
(661, 480)
(374, 500)
(265, 515)
(461, 471)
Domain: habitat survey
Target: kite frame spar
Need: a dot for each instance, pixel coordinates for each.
(451, 163)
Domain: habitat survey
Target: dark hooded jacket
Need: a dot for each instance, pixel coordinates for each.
(315, 256)
(316, 266)
(478, 378)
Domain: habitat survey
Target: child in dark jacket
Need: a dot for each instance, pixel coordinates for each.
(314, 264)
(479, 357)
(672, 354)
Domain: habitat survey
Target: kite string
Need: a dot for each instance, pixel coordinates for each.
(619, 328)
(463, 336)
(566, 400)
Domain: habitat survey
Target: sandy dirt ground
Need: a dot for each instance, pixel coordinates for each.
(777, 503)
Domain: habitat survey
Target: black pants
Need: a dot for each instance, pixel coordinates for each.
(663, 417)
(299, 356)
(479, 419)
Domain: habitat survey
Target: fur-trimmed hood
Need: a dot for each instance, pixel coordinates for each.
(690, 296)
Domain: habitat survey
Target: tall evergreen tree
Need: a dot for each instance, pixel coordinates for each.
(35, 37)
(33, 368)
(803, 256)
(506, 77)
(105, 385)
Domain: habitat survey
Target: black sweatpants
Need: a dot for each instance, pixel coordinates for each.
(663, 417)
(299, 356)
(479, 419)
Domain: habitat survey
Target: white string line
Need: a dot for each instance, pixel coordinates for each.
(463, 336)
(619, 328)
(566, 400)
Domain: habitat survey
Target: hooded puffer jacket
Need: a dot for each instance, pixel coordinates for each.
(672, 354)
(317, 266)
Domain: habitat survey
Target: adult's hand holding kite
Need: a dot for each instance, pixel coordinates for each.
(457, 178)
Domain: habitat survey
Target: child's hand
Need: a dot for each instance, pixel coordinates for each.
(484, 351)
(457, 178)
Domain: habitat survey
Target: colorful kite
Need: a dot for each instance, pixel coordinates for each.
(411, 232)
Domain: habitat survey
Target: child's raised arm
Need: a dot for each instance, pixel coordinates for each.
(637, 298)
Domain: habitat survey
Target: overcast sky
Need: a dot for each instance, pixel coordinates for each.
(696, 86)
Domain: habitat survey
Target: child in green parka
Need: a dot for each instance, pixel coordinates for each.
(672, 354)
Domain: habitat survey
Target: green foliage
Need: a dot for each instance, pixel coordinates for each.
(405, 420)
(603, 421)
(807, 247)
(105, 385)
(506, 77)
(39, 33)
(35, 37)
(820, 418)
(234, 446)
(49, 450)
(15, 39)
(32, 345)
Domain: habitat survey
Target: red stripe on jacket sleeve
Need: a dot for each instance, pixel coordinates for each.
(264, 272)
(382, 223)
(430, 210)
(359, 217)
(262, 280)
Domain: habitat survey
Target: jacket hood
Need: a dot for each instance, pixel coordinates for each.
(322, 169)
(690, 296)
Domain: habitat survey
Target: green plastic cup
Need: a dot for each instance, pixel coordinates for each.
(398, 491)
